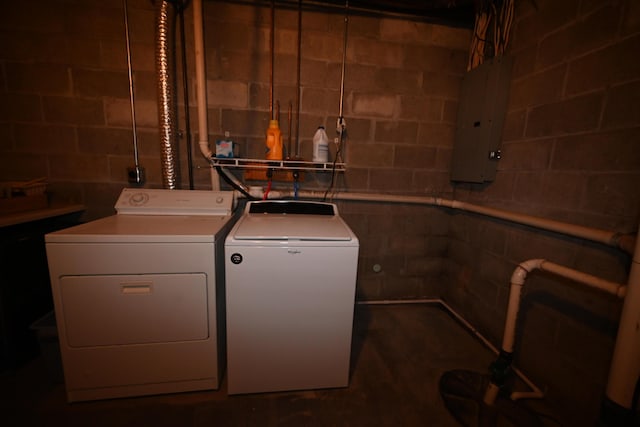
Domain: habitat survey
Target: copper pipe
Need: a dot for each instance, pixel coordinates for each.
(272, 43)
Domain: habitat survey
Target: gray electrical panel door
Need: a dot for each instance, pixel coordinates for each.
(481, 112)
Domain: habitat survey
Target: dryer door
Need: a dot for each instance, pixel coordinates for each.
(134, 309)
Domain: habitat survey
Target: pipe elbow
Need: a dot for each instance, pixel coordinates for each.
(204, 149)
(520, 273)
(625, 242)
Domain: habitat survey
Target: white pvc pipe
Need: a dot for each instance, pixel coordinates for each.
(606, 237)
(517, 283)
(625, 365)
(201, 90)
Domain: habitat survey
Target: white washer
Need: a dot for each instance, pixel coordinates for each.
(139, 295)
(290, 291)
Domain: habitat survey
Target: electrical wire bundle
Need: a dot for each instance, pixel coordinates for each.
(493, 21)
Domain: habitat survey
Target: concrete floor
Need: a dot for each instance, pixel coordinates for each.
(398, 356)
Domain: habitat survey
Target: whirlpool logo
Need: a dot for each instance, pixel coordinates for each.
(236, 258)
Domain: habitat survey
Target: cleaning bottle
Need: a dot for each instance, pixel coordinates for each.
(274, 141)
(320, 146)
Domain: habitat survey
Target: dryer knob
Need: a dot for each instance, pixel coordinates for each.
(219, 199)
(138, 198)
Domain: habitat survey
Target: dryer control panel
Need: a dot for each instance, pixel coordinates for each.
(143, 201)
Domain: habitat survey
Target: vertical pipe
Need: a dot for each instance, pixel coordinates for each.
(625, 366)
(166, 117)
(185, 87)
(297, 156)
(201, 90)
(272, 53)
(131, 93)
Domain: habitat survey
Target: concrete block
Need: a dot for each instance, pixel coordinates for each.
(432, 183)
(543, 20)
(356, 179)
(44, 138)
(396, 132)
(94, 21)
(514, 125)
(394, 180)
(112, 55)
(403, 31)
(444, 85)
(575, 337)
(538, 88)
(558, 189)
(98, 83)
(370, 155)
(146, 87)
(631, 18)
(148, 142)
(577, 114)
(38, 78)
(375, 105)
(22, 166)
(433, 58)
(230, 36)
(241, 122)
(79, 167)
(524, 61)
(118, 112)
(22, 107)
(414, 157)
(589, 32)
(320, 100)
(602, 151)
(105, 141)
(59, 109)
(527, 155)
(397, 81)
(612, 194)
(374, 52)
(622, 106)
(450, 111)
(322, 46)
(436, 134)
(616, 64)
(421, 109)
(228, 93)
(451, 37)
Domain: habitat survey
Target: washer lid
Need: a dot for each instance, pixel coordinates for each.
(292, 220)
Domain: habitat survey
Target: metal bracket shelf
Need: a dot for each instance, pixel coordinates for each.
(278, 164)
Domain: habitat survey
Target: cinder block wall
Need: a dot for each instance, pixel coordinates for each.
(65, 112)
(570, 152)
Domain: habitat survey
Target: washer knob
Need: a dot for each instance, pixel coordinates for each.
(219, 199)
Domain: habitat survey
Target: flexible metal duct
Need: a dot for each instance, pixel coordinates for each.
(165, 21)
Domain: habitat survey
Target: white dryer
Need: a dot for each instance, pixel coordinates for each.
(139, 295)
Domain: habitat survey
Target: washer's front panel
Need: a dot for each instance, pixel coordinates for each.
(289, 317)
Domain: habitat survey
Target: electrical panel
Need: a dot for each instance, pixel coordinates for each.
(481, 112)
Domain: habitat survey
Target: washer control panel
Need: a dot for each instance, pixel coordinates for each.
(142, 201)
